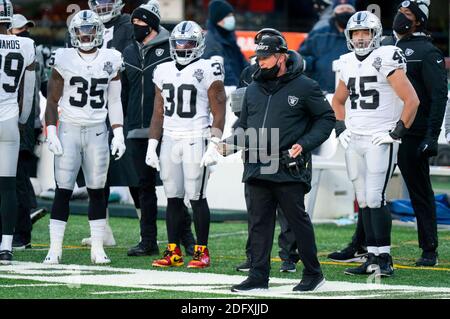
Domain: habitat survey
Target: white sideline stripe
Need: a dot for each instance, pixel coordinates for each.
(121, 292)
(30, 285)
(195, 282)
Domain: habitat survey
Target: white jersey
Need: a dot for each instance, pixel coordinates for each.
(373, 105)
(86, 84)
(185, 93)
(16, 54)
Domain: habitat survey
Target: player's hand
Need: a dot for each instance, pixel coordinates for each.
(151, 158)
(53, 142)
(211, 156)
(118, 143)
(295, 150)
(344, 138)
(384, 139)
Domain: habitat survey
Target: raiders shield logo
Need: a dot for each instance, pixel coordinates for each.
(409, 52)
(292, 100)
(108, 67)
(377, 63)
(198, 74)
(159, 52)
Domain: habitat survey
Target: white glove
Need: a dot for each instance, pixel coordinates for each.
(118, 143)
(344, 138)
(152, 158)
(211, 156)
(385, 138)
(448, 137)
(54, 144)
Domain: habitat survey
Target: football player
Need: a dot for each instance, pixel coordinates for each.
(188, 90)
(381, 107)
(17, 65)
(85, 84)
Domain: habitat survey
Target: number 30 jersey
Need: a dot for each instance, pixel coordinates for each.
(16, 54)
(373, 105)
(86, 84)
(185, 93)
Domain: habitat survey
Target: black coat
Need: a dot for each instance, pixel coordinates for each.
(296, 106)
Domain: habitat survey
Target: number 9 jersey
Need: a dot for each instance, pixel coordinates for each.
(86, 82)
(185, 93)
(373, 106)
(16, 54)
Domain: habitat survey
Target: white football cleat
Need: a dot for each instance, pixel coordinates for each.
(108, 238)
(53, 258)
(99, 257)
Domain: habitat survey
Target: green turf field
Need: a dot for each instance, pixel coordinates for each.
(227, 249)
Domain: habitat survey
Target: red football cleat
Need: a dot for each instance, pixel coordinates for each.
(172, 257)
(201, 257)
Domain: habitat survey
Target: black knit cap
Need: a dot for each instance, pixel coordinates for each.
(415, 9)
(149, 14)
(219, 9)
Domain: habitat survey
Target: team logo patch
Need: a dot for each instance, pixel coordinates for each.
(108, 67)
(409, 52)
(198, 74)
(377, 63)
(292, 100)
(159, 52)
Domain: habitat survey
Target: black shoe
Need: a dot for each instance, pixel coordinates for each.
(188, 241)
(250, 284)
(189, 250)
(368, 267)
(244, 267)
(288, 266)
(310, 283)
(37, 214)
(386, 265)
(428, 259)
(142, 249)
(6, 257)
(349, 254)
(20, 244)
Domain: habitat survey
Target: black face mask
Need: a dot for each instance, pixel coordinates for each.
(271, 73)
(141, 32)
(24, 34)
(402, 25)
(342, 19)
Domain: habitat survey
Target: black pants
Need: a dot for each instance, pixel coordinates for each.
(147, 193)
(264, 197)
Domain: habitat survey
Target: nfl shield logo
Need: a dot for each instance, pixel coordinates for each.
(159, 52)
(198, 74)
(292, 100)
(409, 52)
(108, 67)
(377, 63)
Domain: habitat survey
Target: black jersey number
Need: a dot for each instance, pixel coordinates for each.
(354, 97)
(399, 56)
(170, 106)
(11, 69)
(82, 91)
(218, 68)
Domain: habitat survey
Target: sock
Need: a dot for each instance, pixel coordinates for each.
(368, 230)
(8, 206)
(57, 229)
(97, 232)
(60, 207)
(373, 250)
(384, 250)
(174, 219)
(97, 206)
(6, 242)
(201, 220)
(382, 225)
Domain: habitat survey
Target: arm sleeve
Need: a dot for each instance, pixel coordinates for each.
(435, 79)
(322, 120)
(115, 111)
(29, 82)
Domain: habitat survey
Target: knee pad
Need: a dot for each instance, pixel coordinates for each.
(60, 208)
(97, 204)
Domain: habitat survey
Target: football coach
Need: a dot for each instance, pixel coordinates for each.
(284, 117)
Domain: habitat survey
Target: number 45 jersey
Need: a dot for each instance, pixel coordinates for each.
(373, 106)
(16, 54)
(185, 93)
(86, 81)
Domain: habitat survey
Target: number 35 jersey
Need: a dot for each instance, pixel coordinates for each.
(86, 83)
(185, 93)
(16, 54)
(373, 105)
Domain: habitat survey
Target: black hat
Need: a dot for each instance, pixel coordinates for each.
(149, 13)
(271, 45)
(420, 8)
(266, 32)
(218, 9)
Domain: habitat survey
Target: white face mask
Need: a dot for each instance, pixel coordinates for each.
(229, 23)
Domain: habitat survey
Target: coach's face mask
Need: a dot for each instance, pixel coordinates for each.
(270, 73)
(141, 32)
(24, 34)
(402, 25)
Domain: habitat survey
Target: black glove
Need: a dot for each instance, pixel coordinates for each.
(428, 147)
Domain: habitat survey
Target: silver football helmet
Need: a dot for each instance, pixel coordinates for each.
(364, 20)
(106, 9)
(86, 30)
(187, 42)
(6, 12)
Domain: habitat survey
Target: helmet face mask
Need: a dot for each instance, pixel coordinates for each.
(106, 9)
(86, 31)
(6, 12)
(187, 42)
(364, 20)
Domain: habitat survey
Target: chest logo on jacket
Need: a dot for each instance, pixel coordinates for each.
(159, 52)
(198, 74)
(292, 100)
(409, 52)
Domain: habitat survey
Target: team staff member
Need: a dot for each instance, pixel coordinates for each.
(283, 99)
(138, 92)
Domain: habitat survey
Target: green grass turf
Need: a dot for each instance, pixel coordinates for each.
(227, 244)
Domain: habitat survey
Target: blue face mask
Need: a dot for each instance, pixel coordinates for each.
(229, 23)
